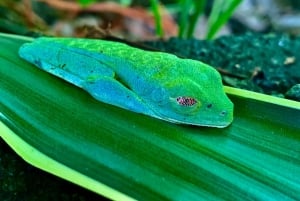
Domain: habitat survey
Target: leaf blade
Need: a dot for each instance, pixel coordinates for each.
(137, 155)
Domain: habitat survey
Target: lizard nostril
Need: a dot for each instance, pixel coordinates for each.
(209, 105)
(223, 113)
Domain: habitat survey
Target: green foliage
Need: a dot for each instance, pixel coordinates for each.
(191, 10)
(220, 14)
(189, 19)
(86, 2)
(158, 23)
(61, 129)
(189, 13)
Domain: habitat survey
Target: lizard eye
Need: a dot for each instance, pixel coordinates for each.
(185, 105)
(186, 101)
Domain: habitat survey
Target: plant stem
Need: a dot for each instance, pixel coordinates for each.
(157, 17)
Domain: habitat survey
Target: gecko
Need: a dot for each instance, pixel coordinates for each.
(157, 84)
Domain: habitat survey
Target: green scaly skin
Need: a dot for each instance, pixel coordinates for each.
(152, 83)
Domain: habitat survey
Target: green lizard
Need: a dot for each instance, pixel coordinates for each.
(158, 84)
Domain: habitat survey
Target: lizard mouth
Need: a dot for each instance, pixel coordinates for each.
(207, 123)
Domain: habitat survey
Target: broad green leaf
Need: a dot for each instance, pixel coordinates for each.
(123, 155)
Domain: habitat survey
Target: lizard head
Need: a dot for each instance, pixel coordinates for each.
(196, 98)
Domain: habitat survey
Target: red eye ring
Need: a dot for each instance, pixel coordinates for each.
(186, 101)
